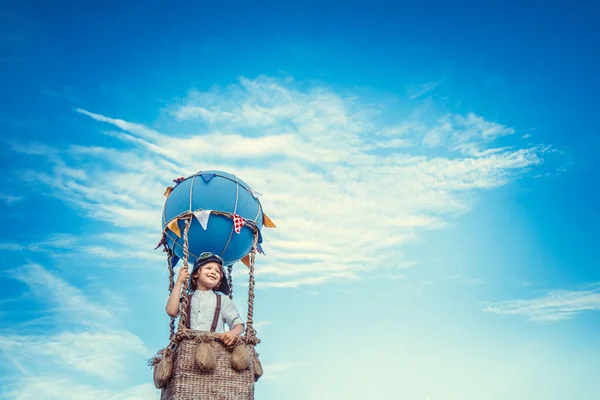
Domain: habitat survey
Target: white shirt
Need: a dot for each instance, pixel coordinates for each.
(203, 312)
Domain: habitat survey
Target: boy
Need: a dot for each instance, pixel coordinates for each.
(206, 280)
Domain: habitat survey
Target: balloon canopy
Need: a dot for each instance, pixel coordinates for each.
(209, 195)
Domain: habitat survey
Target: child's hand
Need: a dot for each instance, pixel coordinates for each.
(229, 338)
(183, 275)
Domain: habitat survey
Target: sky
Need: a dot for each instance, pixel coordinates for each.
(430, 168)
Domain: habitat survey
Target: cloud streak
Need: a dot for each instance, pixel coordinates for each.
(556, 305)
(9, 199)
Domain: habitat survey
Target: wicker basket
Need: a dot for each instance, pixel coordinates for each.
(188, 382)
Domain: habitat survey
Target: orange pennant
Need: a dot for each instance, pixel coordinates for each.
(174, 227)
(246, 260)
(168, 191)
(267, 221)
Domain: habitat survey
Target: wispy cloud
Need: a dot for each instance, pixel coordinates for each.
(280, 370)
(101, 354)
(340, 181)
(67, 93)
(556, 305)
(77, 336)
(416, 91)
(65, 302)
(9, 199)
(469, 135)
(11, 246)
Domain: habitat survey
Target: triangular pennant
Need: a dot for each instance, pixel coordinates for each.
(267, 221)
(238, 222)
(207, 177)
(260, 249)
(174, 261)
(260, 240)
(255, 193)
(168, 191)
(174, 227)
(202, 217)
(246, 260)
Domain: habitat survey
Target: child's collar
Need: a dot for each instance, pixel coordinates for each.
(203, 291)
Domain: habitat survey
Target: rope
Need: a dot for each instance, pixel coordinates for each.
(191, 190)
(250, 331)
(230, 280)
(184, 302)
(171, 286)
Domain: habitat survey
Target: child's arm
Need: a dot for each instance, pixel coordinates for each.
(173, 302)
(230, 337)
(233, 319)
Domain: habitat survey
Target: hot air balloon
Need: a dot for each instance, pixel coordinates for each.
(217, 212)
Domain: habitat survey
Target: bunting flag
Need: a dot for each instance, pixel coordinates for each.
(238, 222)
(246, 260)
(259, 249)
(174, 227)
(259, 236)
(202, 217)
(168, 191)
(174, 261)
(255, 194)
(207, 177)
(267, 221)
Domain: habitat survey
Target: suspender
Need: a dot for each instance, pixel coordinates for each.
(217, 311)
(215, 318)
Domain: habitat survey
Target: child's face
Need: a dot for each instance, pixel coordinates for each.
(208, 276)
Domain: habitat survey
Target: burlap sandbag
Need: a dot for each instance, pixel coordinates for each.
(258, 370)
(206, 357)
(163, 369)
(240, 357)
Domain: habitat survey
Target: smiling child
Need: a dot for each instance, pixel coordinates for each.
(208, 293)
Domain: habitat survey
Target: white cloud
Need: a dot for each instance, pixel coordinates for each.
(416, 91)
(65, 301)
(9, 199)
(54, 242)
(78, 341)
(11, 246)
(279, 371)
(102, 354)
(339, 183)
(556, 305)
(467, 135)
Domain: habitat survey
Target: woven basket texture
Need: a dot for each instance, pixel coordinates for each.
(188, 382)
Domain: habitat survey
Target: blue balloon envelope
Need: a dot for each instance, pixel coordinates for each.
(216, 191)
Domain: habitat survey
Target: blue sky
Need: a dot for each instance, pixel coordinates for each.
(430, 169)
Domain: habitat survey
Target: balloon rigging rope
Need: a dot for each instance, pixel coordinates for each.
(171, 286)
(230, 280)
(250, 332)
(191, 191)
(185, 300)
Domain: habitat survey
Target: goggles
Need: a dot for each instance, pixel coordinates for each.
(206, 255)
